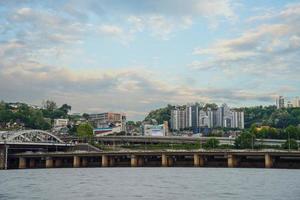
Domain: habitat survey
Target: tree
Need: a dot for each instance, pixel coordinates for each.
(290, 144)
(211, 143)
(160, 115)
(85, 116)
(244, 141)
(49, 105)
(212, 106)
(292, 132)
(65, 108)
(85, 130)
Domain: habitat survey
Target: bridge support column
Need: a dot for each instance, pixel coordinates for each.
(84, 162)
(76, 161)
(111, 161)
(232, 161)
(22, 163)
(170, 161)
(198, 160)
(2, 158)
(104, 161)
(268, 161)
(32, 163)
(58, 162)
(49, 162)
(134, 161)
(140, 161)
(164, 160)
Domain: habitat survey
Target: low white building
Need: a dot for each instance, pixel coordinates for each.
(61, 122)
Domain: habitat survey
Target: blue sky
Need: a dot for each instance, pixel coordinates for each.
(137, 55)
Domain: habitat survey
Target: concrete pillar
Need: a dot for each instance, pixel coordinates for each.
(198, 160)
(134, 161)
(111, 161)
(268, 161)
(104, 161)
(22, 163)
(76, 161)
(84, 162)
(58, 162)
(164, 160)
(140, 161)
(49, 162)
(170, 161)
(32, 163)
(2, 158)
(232, 161)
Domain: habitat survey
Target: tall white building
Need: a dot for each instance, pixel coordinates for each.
(193, 117)
(178, 119)
(188, 115)
(206, 118)
(296, 102)
(280, 102)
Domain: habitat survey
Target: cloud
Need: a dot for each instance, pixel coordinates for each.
(36, 36)
(111, 30)
(270, 48)
(132, 90)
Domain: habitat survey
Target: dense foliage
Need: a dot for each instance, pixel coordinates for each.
(290, 144)
(245, 141)
(16, 114)
(85, 130)
(160, 115)
(211, 143)
(259, 115)
(271, 116)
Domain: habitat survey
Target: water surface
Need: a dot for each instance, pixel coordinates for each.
(150, 183)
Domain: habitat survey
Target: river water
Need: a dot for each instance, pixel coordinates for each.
(150, 183)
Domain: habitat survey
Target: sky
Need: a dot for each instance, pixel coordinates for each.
(134, 56)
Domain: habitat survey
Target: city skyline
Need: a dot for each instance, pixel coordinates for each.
(135, 56)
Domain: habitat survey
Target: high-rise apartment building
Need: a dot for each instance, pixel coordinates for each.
(206, 118)
(196, 118)
(280, 102)
(296, 102)
(178, 119)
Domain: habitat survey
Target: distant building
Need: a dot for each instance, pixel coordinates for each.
(178, 119)
(296, 102)
(205, 118)
(61, 122)
(194, 117)
(289, 104)
(108, 122)
(154, 130)
(280, 102)
(107, 131)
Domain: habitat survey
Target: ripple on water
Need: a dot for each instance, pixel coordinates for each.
(150, 183)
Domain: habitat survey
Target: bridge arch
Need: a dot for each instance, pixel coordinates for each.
(37, 136)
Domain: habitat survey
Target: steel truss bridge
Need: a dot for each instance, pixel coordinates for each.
(30, 137)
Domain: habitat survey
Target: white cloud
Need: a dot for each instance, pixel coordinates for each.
(270, 48)
(111, 30)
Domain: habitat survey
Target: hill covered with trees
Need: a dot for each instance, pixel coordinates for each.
(21, 114)
(259, 115)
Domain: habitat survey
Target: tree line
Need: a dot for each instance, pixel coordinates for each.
(30, 116)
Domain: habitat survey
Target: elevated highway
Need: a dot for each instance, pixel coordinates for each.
(168, 139)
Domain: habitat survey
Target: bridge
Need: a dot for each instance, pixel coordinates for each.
(194, 158)
(28, 140)
(41, 149)
(168, 139)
